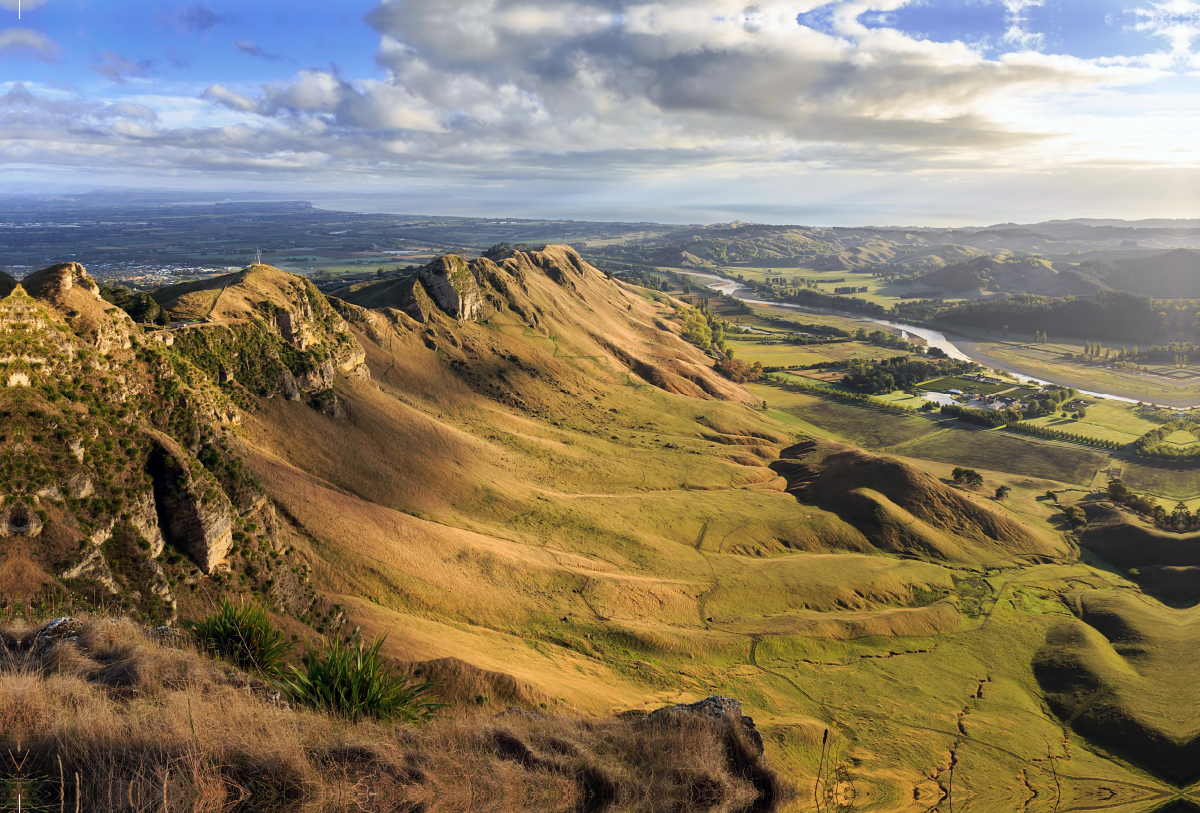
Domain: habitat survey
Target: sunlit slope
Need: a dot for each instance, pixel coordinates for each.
(1122, 674)
(513, 486)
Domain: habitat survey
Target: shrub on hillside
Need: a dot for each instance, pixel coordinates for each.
(243, 635)
(356, 682)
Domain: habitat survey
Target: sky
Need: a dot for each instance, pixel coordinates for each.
(895, 112)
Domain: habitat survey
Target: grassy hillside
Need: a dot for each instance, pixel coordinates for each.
(101, 717)
(521, 465)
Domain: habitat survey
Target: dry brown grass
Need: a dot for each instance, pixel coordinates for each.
(97, 715)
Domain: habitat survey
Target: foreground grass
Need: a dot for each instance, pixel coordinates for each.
(97, 715)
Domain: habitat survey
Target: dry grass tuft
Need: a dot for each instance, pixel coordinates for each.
(98, 715)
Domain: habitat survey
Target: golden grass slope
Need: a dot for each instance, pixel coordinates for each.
(494, 479)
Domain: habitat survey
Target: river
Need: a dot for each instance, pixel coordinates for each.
(954, 348)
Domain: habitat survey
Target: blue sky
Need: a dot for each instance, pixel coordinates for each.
(896, 111)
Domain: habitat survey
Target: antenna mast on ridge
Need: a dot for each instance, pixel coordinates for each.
(258, 256)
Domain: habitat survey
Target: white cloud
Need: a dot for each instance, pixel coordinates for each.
(1177, 22)
(574, 91)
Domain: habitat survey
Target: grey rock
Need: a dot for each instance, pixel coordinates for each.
(450, 283)
(715, 707)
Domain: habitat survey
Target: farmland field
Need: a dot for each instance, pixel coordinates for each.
(966, 385)
(1172, 480)
(991, 450)
(860, 424)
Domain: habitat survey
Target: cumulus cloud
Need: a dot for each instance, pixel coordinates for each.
(25, 42)
(580, 89)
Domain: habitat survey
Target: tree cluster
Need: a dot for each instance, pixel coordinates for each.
(967, 477)
(879, 376)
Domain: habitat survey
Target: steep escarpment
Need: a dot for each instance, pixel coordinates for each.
(905, 510)
(120, 484)
(554, 295)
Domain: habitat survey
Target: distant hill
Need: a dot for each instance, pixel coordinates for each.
(1170, 275)
(1009, 273)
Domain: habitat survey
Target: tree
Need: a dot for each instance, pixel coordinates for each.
(1181, 518)
(1002, 492)
(1117, 490)
(968, 477)
(1075, 516)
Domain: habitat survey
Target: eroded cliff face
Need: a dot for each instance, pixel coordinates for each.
(117, 480)
(452, 285)
(269, 334)
(194, 514)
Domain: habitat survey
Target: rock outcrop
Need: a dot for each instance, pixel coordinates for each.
(451, 284)
(17, 518)
(194, 514)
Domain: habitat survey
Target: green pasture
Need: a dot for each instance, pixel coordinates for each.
(1177, 481)
(1048, 362)
(860, 424)
(966, 385)
(775, 354)
(980, 449)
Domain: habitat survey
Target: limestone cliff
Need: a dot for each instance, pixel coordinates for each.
(450, 283)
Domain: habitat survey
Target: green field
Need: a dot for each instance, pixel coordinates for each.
(860, 424)
(1049, 362)
(1176, 481)
(776, 354)
(879, 291)
(966, 385)
(902, 399)
(990, 450)
(1106, 420)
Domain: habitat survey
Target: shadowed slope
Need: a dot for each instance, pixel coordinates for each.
(1123, 675)
(905, 510)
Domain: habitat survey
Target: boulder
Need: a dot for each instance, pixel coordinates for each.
(713, 707)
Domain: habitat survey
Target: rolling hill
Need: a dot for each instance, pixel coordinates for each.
(520, 471)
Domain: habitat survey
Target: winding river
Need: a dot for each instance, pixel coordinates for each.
(961, 349)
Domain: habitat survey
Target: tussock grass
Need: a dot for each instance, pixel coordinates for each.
(98, 715)
(243, 635)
